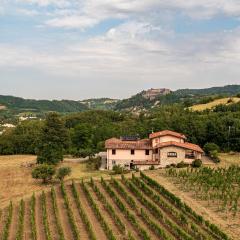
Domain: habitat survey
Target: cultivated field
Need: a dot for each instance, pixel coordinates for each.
(213, 194)
(16, 181)
(201, 107)
(137, 208)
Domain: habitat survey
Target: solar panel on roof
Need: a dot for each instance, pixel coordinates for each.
(130, 138)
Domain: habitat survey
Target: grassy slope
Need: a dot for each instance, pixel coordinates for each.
(210, 105)
(16, 176)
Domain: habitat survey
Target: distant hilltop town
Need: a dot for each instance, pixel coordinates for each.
(152, 93)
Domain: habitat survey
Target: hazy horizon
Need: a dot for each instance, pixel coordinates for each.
(114, 98)
(78, 49)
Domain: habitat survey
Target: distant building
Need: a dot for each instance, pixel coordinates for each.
(8, 125)
(22, 118)
(159, 150)
(153, 93)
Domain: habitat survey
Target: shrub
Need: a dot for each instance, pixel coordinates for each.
(214, 155)
(209, 147)
(181, 165)
(117, 169)
(152, 167)
(63, 172)
(94, 163)
(197, 163)
(44, 172)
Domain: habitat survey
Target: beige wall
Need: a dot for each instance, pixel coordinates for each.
(158, 140)
(165, 160)
(123, 156)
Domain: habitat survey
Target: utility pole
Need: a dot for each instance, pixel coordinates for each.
(229, 132)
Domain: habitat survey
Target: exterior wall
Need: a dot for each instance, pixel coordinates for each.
(122, 162)
(170, 138)
(123, 157)
(162, 139)
(126, 154)
(198, 155)
(165, 160)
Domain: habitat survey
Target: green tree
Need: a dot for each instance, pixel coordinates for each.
(209, 147)
(63, 172)
(81, 136)
(54, 139)
(44, 172)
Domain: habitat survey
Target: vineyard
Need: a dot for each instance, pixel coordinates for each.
(126, 209)
(219, 186)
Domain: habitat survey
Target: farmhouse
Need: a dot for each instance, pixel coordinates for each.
(159, 150)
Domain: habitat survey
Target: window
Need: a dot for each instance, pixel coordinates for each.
(132, 151)
(156, 151)
(172, 154)
(113, 151)
(147, 152)
(113, 162)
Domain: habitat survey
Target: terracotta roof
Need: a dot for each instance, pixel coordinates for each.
(186, 145)
(115, 143)
(166, 133)
(146, 162)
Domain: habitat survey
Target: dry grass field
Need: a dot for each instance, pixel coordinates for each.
(229, 159)
(201, 107)
(16, 180)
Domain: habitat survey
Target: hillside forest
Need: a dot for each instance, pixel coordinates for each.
(85, 132)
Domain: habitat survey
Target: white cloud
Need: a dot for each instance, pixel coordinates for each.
(80, 22)
(142, 49)
(84, 14)
(44, 3)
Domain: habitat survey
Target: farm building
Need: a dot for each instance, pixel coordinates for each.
(159, 150)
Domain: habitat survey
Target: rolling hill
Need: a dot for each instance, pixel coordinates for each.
(187, 96)
(144, 100)
(30, 105)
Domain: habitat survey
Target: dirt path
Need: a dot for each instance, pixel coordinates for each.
(197, 206)
(63, 215)
(14, 223)
(39, 219)
(27, 233)
(100, 235)
(80, 225)
(51, 218)
(128, 225)
(106, 215)
(145, 209)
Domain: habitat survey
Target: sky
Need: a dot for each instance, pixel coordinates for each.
(77, 49)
